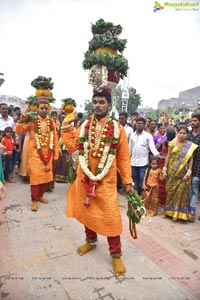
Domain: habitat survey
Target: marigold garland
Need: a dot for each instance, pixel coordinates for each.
(105, 149)
(48, 137)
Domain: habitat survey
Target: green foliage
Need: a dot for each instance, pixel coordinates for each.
(42, 83)
(31, 100)
(71, 174)
(107, 40)
(101, 26)
(87, 107)
(154, 114)
(112, 62)
(52, 99)
(136, 208)
(105, 34)
(69, 101)
(2, 80)
(169, 111)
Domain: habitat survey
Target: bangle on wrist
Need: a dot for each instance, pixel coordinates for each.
(189, 173)
(131, 184)
(164, 170)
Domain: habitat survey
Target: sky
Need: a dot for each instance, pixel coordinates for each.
(49, 38)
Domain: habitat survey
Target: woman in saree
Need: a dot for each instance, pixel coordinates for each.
(160, 140)
(177, 171)
(162, 184)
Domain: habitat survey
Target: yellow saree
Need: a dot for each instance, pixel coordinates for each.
(178, 191)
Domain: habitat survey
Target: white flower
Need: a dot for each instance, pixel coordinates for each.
(105, 161)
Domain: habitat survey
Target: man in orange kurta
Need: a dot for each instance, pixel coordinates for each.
(102, 215)
(40, 165)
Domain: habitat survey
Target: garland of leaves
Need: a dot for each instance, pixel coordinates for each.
(42, 82)
(105, 35)
(31, 100)
(39, 143)
(107, 151)
(107, 40)
(112, 62)
(136, 211)
(101, 26)
(69, 101)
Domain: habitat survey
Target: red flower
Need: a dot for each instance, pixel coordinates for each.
(114, 146)
(81, 147)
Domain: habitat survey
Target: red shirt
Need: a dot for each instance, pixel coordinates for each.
(9, 144)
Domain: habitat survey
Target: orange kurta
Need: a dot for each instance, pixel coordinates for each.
(36, 167)
(103, 214)
(24, 159)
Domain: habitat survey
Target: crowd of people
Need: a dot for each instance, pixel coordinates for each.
(165, 163)
(162, 159)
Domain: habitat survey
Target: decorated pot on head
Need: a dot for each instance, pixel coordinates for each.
(32, 103)
(104, 58)
(43, 86)
(68, 106)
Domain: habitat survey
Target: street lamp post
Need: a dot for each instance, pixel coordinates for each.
(125, 97)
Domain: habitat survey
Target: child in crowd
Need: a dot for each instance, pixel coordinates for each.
(150, 193)
(17, 144)
(8, 142)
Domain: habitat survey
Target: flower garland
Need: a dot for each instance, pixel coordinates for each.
(97, 76)
(136, 211)
(47, 137)
(105, 149)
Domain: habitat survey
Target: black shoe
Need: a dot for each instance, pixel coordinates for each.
(199, 218)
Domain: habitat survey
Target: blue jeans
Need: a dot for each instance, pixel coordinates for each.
(194, 194)
(138, 176)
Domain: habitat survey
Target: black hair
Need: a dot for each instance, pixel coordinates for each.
(99, 94)
(153, 121)
(196, 115)
(160, 125)
(8, 129)
(17, 108)
(171, 133)
(54, 112)
(79, 115)
(3, 104)
(140, 119)
(123, 113)
(182, 126)
(135, 113)
(152, 158)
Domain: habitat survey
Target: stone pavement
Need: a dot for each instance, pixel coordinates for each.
(38, 259)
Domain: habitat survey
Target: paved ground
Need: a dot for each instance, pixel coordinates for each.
(38, 259)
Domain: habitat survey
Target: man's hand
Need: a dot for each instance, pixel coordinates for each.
(129, 188)
(144, 187)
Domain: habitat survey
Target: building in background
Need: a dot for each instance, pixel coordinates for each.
(188, 100)
(12, 100)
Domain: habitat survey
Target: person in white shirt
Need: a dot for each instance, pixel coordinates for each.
(141, 143)
(5, 119)
(123, 117)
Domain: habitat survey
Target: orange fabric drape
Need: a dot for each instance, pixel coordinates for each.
(36, 167)
(103, 214)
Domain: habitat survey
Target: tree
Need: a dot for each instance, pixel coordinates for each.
(154, 114)
(87, 107)
(2, 80)
(133, 102)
